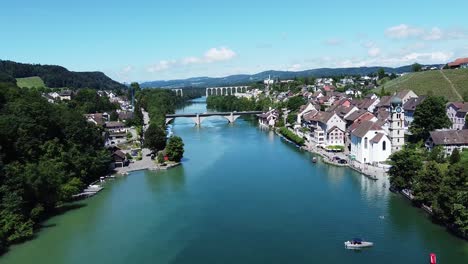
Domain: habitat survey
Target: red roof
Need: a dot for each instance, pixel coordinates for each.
(458, 62)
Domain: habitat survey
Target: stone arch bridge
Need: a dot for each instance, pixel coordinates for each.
(199, 117)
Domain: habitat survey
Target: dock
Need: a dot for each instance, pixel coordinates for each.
(88, 192)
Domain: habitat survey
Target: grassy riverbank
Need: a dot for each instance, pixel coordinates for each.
(291, 136)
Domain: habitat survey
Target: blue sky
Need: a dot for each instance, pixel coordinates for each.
(159, 40)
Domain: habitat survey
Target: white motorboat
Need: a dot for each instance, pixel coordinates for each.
(357, 243)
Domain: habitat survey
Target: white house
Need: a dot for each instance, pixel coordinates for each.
(269, 118)
(326, 128)
(457, 112)
(449, 140)
(303, 110)
(369, 143)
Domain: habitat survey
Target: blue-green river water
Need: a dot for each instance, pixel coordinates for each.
(242, 195)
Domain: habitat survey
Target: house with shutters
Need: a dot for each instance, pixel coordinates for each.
(457, 112)
(326, 128)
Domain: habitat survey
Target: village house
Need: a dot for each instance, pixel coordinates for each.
(457, 112)
(405, 95)
(459, 63)
(369, 143)
(448, 139)
(369, 103)
(410, 107)
(326, 128)
(269, 118)
(65, 95)
(305, 109)
(97, 118)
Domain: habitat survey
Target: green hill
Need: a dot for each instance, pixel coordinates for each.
(29, 82)
(54, 76)
(451, 84)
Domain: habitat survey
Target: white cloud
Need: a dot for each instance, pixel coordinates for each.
(212, 55)
(435, 34)
(219, 54)
(372, 49)
(295, 67)
(373, 52)
(161, 66)
(404, 31)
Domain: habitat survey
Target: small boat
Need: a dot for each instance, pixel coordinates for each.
(314, 159)
(433, 258)
(357, 243)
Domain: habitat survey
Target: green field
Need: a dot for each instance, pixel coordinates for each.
(424, 82)
(30, 82)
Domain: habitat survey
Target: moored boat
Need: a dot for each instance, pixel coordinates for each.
(357, 243)
(314, 159)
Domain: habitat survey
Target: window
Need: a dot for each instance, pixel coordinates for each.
(365, 142)
(398, 140)
(398, 132)
(384, 145)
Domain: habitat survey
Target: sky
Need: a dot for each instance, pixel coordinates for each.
(172, 39)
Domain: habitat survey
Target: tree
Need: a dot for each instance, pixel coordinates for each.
(455, 157)
(155, 138)
(416, 67)
(381, 73)
(428, 183)
(429, 116)
(160, 157)
(175, 149)
(405, 165)
(295, 102)
(292, 118)
(114, 116)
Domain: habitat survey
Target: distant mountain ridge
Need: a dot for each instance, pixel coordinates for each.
(58, 76)
(247, 78)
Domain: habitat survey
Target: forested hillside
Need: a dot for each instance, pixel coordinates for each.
(57, 76)
(48, 152)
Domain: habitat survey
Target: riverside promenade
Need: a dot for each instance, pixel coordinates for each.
(370, 171)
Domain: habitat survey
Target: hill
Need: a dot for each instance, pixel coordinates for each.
(247, 78)
(451, 84)
(56, 76)
(29, 82)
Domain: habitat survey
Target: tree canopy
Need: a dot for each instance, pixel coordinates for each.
(175, 148)
(429, 116)
(48, 152)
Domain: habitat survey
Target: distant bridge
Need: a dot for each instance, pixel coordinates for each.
(226, 90)
(199, 117)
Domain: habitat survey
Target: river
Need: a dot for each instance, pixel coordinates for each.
(242, 195)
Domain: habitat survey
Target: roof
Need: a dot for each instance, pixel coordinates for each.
(333, 128)
(401, 94)
(412, 103)
(460, 106)
(65, 93)
(383, 114)
(308, 116)
(365, 103)
(355, 115)
(385, 101)
(365, 127)
(341, 110)
(458, 62)
(450, 137)
(322, 117)
(125, 115)
(113, 124)
(119, 154)
(377, 138)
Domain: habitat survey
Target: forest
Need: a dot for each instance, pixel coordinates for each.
(59, 77)
(232, 103)
(48, 152)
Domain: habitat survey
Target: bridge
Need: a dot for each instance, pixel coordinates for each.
(178, 91)
(199, 117)
(225, 90)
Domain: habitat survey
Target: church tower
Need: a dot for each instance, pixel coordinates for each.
(397, 119)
